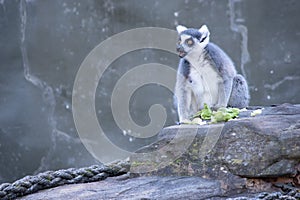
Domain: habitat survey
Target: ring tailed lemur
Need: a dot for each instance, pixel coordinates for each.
(205, 75)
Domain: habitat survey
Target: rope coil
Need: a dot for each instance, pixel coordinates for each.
(50, 179)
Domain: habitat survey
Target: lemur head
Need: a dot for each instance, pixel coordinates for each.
(191, 40)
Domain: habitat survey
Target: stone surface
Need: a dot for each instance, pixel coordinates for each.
(151, 188)
(136, 188)
(247, 158)
(264, 146)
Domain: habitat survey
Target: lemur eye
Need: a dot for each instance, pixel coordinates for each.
(189, 42)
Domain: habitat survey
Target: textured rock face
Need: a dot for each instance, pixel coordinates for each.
(136, 188)
(148, 188)
(264, 146)
(241, 159)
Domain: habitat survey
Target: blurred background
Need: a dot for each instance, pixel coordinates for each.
(43, 43)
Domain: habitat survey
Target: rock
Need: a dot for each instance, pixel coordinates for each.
(135, 188)
(146, 188)
(264, 146)
(246, 158)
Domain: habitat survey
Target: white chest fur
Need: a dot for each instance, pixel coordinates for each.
(204, 81)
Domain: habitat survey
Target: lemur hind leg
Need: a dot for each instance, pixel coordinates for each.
(240, 93)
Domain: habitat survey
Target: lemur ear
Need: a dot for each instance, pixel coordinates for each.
(180, 28)
(204, 33)
(204, 30)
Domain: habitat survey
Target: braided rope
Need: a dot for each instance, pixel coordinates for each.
(50, 179)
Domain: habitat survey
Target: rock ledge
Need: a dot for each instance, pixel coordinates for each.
(246, 157)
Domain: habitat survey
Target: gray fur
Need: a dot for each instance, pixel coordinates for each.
(240, 93)
(206, 75)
